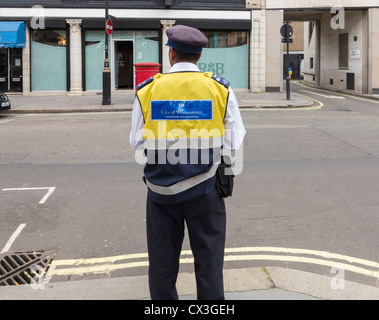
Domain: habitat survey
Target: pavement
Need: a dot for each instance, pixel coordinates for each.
(123, 101)
(270, 283)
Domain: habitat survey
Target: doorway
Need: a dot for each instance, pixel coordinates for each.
(124, 65)
(10, 69)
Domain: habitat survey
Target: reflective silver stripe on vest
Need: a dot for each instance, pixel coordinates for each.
(183, 143)
(183, 185)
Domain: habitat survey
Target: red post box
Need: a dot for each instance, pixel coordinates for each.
(145, 71)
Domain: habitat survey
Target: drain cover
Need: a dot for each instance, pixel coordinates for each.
(24, 267)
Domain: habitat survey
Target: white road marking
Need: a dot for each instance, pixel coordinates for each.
(324, 95)
(339, 94)
(6, 120)
(9, 120)
(84, 113)
(13, 238)
(43, 200)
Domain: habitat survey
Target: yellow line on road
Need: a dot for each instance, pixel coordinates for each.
(322, 254)
(319, 106)
(108, 264)
(107, 268)
(113, 259)
(327, 263)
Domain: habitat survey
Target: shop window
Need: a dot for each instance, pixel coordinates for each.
(227, 56)
(146, 46)
(226, 39)
(94, 59)
(49, 60)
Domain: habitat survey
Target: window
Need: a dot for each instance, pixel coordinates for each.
(226, 39)
(53, 38)
(343, 51)
(48, 53)
(227, 56)
(94, 59)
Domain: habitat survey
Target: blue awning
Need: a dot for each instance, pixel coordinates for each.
(12, 34)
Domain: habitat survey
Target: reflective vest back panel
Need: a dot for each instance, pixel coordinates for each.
(183, 114)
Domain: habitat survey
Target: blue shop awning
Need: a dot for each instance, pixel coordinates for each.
(12, 34)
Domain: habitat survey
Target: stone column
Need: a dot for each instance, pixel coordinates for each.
(373, 51)
(165, 60)
(274, 52)
(26, 64)
(75, 56)
(258, 51)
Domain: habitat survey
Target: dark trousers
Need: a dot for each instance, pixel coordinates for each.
(205, 218)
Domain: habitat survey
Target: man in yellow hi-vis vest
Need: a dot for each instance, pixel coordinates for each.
(182, 121)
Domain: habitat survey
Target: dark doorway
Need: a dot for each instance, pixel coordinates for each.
(11, 70)
(15, 69)
(3, 70)
(124, 67)
(350, 81)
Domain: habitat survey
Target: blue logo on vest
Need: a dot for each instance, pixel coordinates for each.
(181, 110)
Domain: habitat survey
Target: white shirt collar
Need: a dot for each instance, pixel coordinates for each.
(184, 66)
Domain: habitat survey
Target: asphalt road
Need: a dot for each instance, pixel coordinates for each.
(309, 185)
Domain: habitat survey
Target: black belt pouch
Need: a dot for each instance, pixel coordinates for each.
(224, 183)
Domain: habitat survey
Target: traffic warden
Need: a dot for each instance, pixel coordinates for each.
(179, 120)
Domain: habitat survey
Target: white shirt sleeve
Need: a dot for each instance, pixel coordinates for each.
(234, 128)
(138, 123)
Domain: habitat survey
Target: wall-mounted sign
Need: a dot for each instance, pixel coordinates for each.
(355, 54)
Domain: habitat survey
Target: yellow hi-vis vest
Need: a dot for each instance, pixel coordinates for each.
(183, 132)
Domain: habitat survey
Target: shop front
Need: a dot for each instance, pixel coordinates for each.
(12, 40)
(67, 55)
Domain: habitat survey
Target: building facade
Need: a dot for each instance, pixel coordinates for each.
(341, 42)
(59, 45)
(64, 41)
(342, 54)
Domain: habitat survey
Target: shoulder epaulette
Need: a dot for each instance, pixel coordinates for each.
(219, 79)
(147, 81)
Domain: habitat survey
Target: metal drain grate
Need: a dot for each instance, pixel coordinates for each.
(24, 267)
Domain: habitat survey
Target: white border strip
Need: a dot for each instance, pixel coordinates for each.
(129, 13)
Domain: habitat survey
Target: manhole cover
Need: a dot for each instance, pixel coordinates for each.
(24, 267)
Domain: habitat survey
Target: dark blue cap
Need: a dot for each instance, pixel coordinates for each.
(186, 39)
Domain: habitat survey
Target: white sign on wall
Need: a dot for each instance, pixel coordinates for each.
(355, 54)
